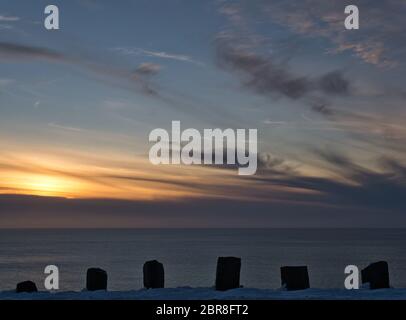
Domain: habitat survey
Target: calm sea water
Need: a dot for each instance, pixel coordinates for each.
(189, 256)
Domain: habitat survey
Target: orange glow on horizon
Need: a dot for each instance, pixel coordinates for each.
(80, 175)
(73, 174)
(48, 185)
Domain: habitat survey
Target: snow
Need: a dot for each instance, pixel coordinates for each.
(187, 293)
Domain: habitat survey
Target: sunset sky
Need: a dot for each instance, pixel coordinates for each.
(77, 106)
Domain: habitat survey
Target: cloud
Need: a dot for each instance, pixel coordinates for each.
(157, 54)
(6, 27)
(6, 82)
(278, 195)
(259, 73)
(266, 162)
(58, 126)
(353, 185)
(4, 18)
(233, 12)
(377, 200)
(322, 108)
(19, 51)
(147, 69)
(141, 76)
(380, 40)
(334, 83)
(264, 75)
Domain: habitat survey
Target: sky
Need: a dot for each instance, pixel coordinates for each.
(77, 105)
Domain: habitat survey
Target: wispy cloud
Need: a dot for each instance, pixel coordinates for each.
(157, 54)
(4, 18)
(58, 126)
(6, 27)
(359, 186)
(140, 78)
(15, 51)
(6, 82)
(148, 69)
(377, 42)
(278, 194)
(267, 75)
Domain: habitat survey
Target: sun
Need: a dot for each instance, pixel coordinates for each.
(45, 184)
(48, 185)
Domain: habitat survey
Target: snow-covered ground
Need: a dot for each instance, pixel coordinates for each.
(187, 293)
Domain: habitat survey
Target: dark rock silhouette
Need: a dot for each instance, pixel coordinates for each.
(377, 275)
(154, 275)
(295, 278)
(228, 273)
(96, 279)
(26, 286)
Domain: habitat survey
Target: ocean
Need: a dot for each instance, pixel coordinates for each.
(189, 255)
